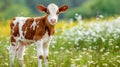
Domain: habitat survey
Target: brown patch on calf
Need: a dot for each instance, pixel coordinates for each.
(14, 32)
(40, 30)
(12, 40)
(43, 27)
(47, 57)
(27, 29)
(40, 57)
(29, 33)
(14, 28)
(13, 44)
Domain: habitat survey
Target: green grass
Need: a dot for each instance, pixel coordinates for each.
(92, 44)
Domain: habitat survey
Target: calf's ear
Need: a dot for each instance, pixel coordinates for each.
(63, 8)
(41, 8)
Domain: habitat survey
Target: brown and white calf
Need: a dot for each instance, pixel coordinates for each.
(26, 30)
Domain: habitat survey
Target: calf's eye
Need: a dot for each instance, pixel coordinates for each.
(47, 11)
(57, 12)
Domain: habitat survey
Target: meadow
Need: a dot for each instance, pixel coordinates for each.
(82, 43)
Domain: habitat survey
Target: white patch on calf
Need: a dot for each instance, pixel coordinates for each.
(53, 10)
(21, 21)
(25, 31)
(12, 52)
(33, 25)
(46, 38)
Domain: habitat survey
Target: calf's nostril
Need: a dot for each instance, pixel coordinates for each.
(53, 20)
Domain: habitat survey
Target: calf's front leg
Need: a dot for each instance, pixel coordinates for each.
(46, 51)
(39, 46)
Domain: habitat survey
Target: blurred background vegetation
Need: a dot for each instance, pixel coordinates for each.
(93, 42)
(87, 8)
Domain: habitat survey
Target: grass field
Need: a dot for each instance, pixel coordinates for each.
(89, 44)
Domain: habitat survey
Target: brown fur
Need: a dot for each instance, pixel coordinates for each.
(41, 28)
(14, 32)
(29, 30)
(47, 57)
(40, 57)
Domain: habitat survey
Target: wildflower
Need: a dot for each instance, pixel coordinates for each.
(97, 66)
(56, 52)
(6, 64)
(61, 48)
(105, 54)
(105, 64)
(117, 47)
(103, 39)
(101, 50)
(114, 65)
(53, 46)
(84, 49)
(101, 16)
(118, 61)
(90, 56)
(90, 50)
(84, 66)
(91, 62)
(54, 42)
(80, 56)
(71, 20)
(78, 59)
(78, 18)
(118, 56)
(72, 65)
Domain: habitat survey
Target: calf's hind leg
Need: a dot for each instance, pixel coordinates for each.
(12, 53)
(20, 53)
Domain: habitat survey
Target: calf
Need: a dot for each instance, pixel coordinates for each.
(39, 30)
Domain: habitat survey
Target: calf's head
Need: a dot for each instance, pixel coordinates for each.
(53, 11)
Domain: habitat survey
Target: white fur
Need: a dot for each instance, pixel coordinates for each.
(33, 25)
(46, 38)
(21, 21)
(53, 10)
(12, 52)
(20, 53)
(39, 45)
